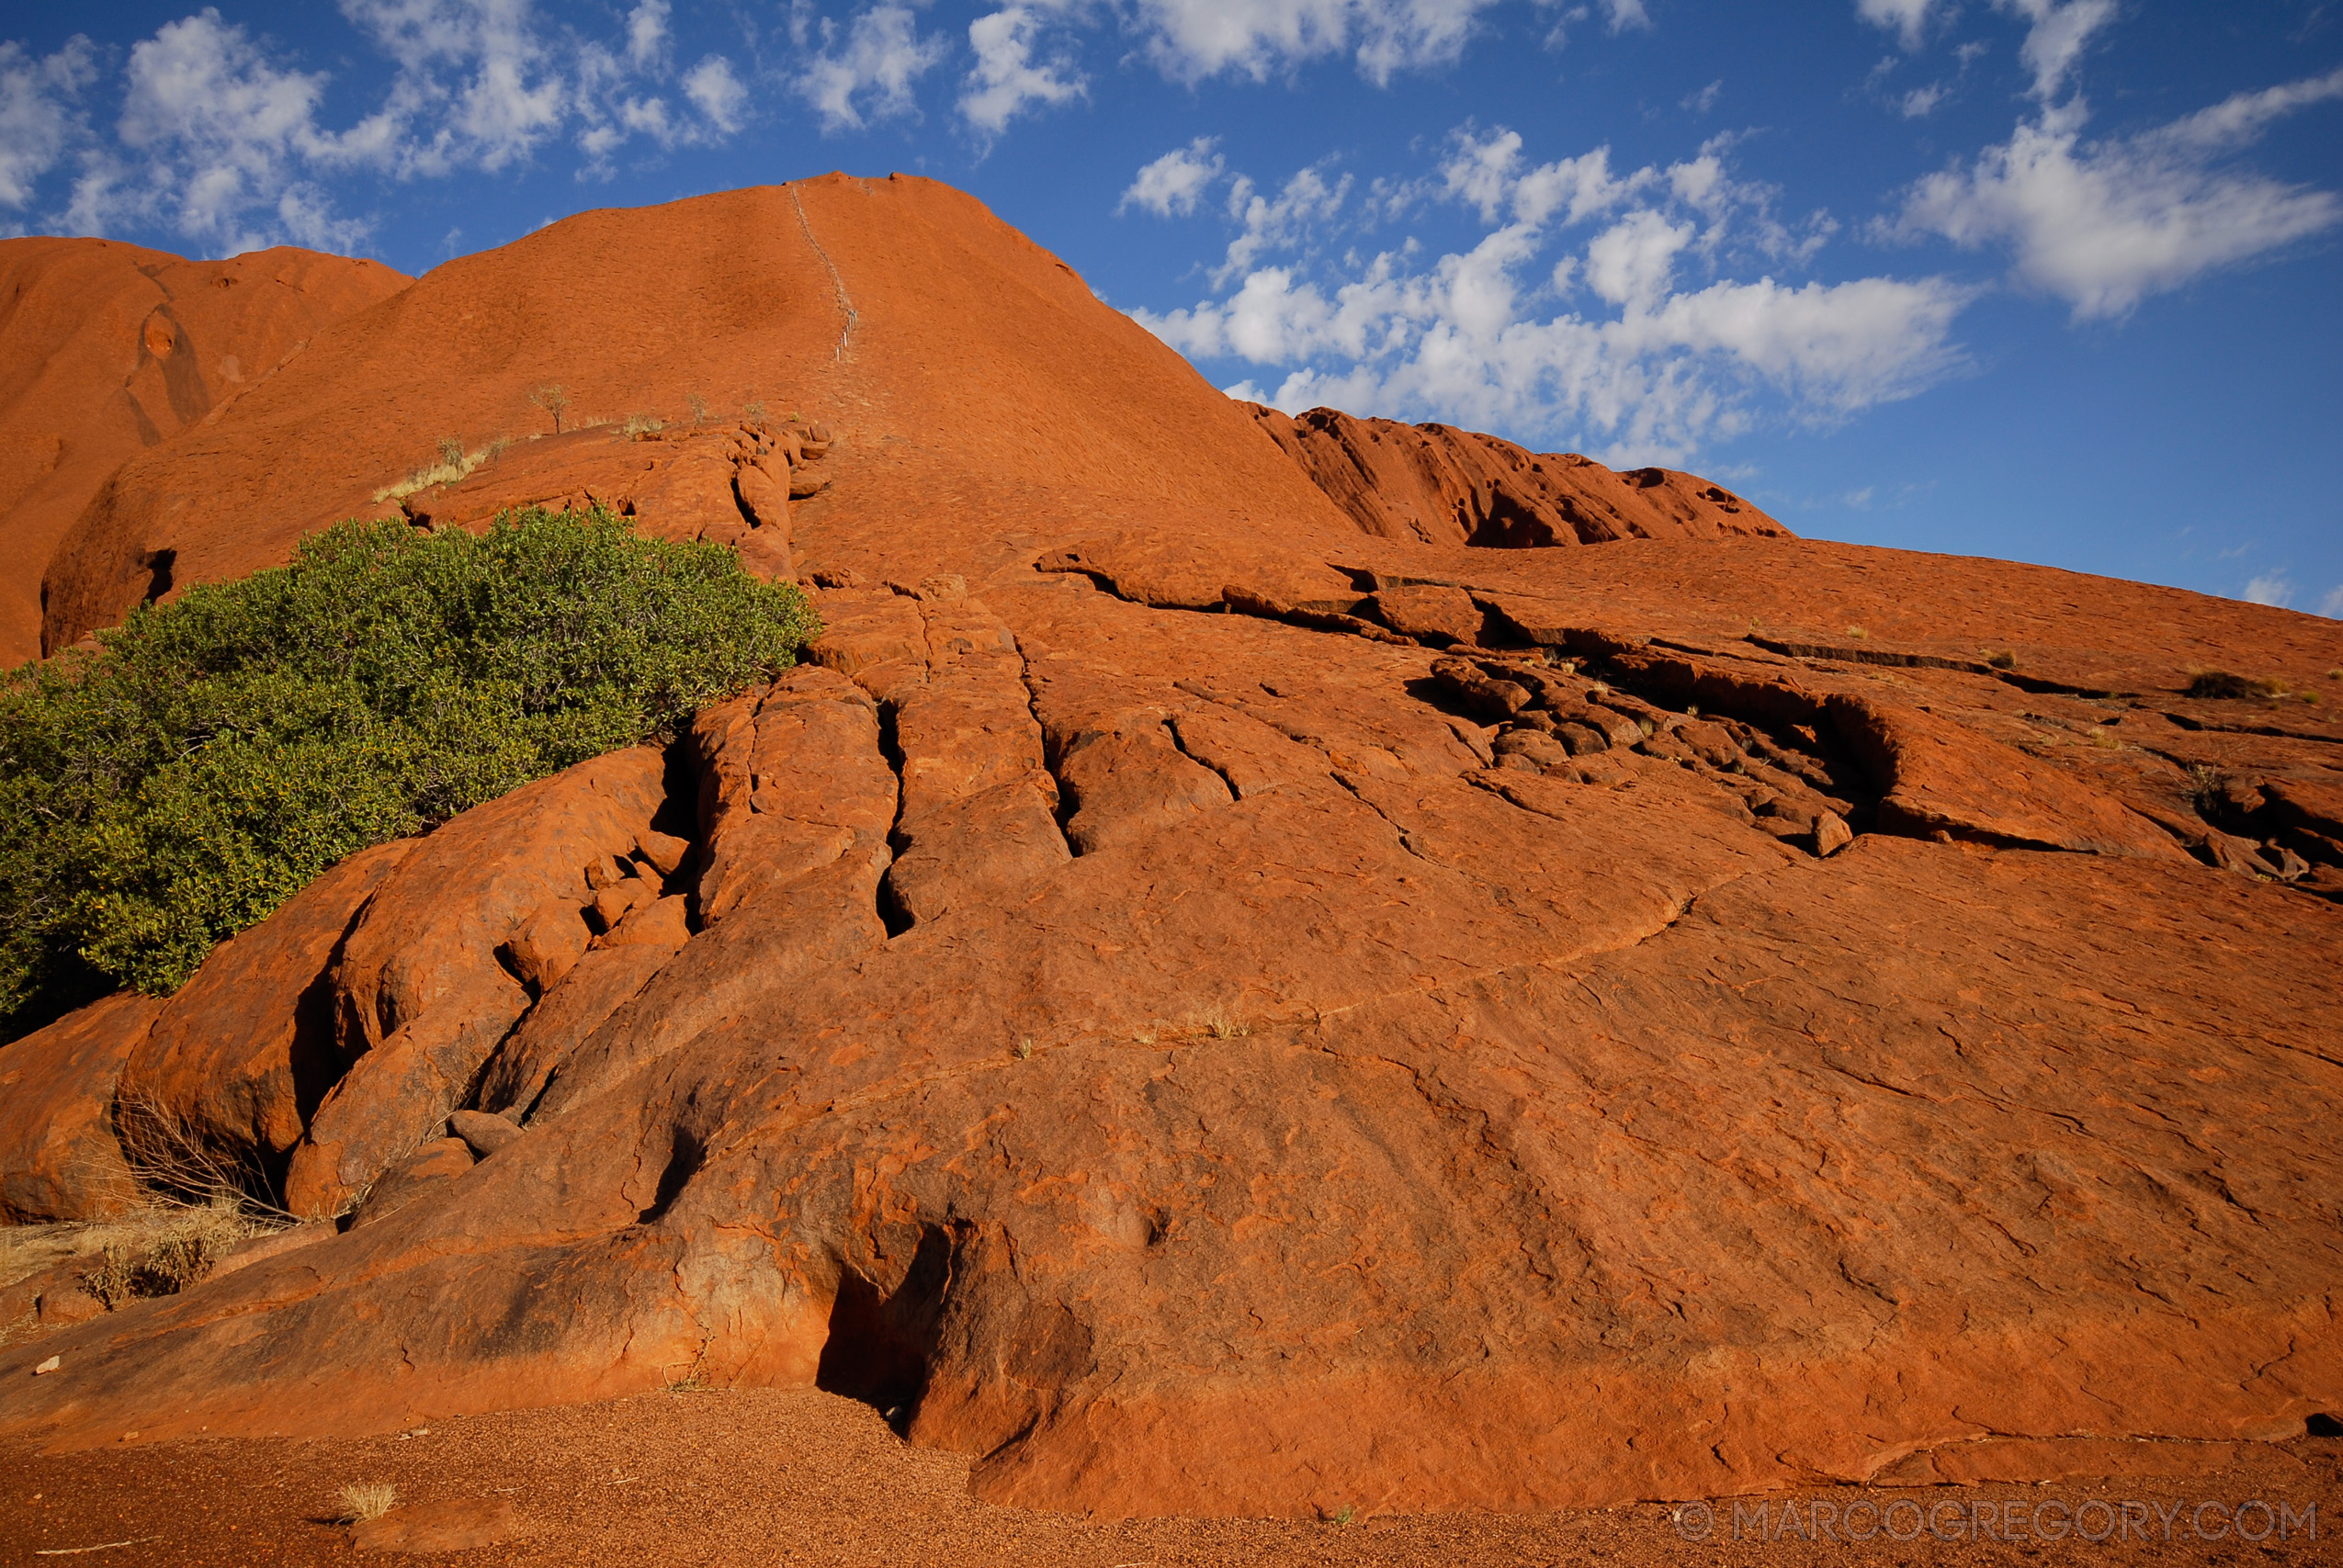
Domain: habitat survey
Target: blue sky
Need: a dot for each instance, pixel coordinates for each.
(2051, 279)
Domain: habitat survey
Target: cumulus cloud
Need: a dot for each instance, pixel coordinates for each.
(2105, 224)
(1172, 184)
(2057, 34)
(1006, 81)
(646, 34)
(2332, 605)
(226, 145)
(1279, 223)
(1908, 19)
(1192, 40)
(39, 115)
(218, 137)
(2271, 588)
(869, 76)
(1547, 331)
(716, 93)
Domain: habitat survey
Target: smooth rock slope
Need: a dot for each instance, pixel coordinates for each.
(108, 349)
(1210, 1004)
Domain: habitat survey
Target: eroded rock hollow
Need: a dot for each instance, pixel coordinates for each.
(1259, 963)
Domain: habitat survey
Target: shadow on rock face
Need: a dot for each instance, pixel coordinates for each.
(880, 1341)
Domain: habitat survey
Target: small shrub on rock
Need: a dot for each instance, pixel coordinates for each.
(216, 754)
(2219, 686)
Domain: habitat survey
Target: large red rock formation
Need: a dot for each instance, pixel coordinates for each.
(1444, 486)
(1213, 1006)
(108, 349)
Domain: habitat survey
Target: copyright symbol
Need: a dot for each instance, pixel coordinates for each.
(1693, 1521)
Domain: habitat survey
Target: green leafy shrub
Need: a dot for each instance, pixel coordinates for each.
(218, 753)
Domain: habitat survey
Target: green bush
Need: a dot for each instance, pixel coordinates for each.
(220, 752)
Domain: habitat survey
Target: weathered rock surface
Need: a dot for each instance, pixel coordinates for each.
(236, 1063)
(1210, 1006)
(1439, 485)
(108, 349)
(59, 1156)
(420, 996)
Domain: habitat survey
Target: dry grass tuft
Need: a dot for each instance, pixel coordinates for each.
(366, 1500)
(455, 464)
(1859, 634)
(1217, 1023)
(2219, 686)
(2204, 788)
(26, 1250)
(161, 1251)
(2005, 660)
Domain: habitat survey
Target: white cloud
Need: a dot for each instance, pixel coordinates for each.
(2103, 225)
(223, 135)
(224, 144)
(1284, 224)
(1487, 336)
(2238, 120)
(2270, 588)
(1191, 39)
(1490, 175)
(1921, 102)
(716, 93)
(646, 34)
(2332, 605)
(1006, 80)
(1633, 263)
(37, 116)
(1172, 184)
(883, 55)
(2058, 33)
(1907, 19)
(1703, 100)
(476, 85)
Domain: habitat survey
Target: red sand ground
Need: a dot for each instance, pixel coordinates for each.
(726, 1478)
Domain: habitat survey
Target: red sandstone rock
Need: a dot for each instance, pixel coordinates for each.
(1444, 486)
(419, 1172)
(602, 980)
(482, 1133)
(547, 945)
(422, 999)
(656, 923)
(58, 1159)
(1568, 1068)
(237, 1061)
(106, 349)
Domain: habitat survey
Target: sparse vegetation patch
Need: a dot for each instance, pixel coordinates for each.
(366, 1500)
(161, 1251)
(218, 753)
(2221, 685)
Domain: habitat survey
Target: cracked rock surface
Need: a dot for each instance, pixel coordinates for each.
(1202, 1006)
